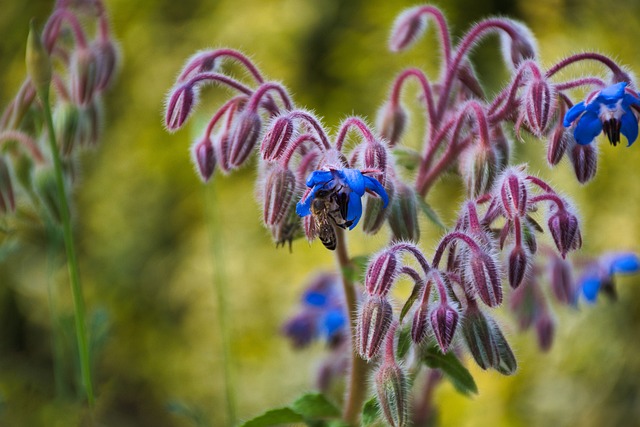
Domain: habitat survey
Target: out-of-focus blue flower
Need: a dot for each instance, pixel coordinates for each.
(322, 315)
(608, 109)
(598, 277)
(343, 189)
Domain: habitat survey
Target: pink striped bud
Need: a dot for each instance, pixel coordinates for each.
(279, 189)
(106, 55)
(277, 138)
(392, 122)
(244, 135)
(83, 73)
(545, 331)
(513, 194)
(565, 230)
(557, 146)
(222, 148)
(518, 45)
(392, 392)
(403, 217)
(310, 229)
(539, 105)
(483, 273)
(444, 321)
(518, 265)
(479, 168)
(562, 281)
(203, 157)
(375, 157)
(584, 159)
(7, 199)
(407, 29)
(179, 107)
(420, 323)
(373, 323)
(381, 273)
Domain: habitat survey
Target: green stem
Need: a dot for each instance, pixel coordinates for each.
(219, 285)
(55, 329)
(72, 261)
(357, 386)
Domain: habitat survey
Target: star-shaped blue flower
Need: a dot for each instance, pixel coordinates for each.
(608, 110)
(345, 187)
(599, 277)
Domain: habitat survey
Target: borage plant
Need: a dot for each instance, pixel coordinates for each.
(311, 185)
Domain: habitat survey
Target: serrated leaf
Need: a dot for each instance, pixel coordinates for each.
(430, 213)
(452, 368)
(370, 412)
(315, 405)
(275, 417)
(407, 158)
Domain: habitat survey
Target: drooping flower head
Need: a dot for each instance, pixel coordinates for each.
(608, 109)
(599, 277)
(340, 191)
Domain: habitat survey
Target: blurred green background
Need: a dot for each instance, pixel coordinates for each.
(143, 231)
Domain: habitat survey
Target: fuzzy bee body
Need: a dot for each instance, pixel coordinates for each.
(329, 208)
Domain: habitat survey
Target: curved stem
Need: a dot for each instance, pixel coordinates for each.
(426, 90)
(72, 261)
(220, 78)
(255, 99)
(357, 386)
(213, 55)
(52, 29)
(585, 81)
(549, 197)
(587, 56)
(442, 27)
(25, 140)
(307, 137)
(360, 125)
(303, 115)
(510, 92)
(233, 102)
(449, 238)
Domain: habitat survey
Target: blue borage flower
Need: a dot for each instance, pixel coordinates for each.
(347, 186)
(608, 109)
(599, 276)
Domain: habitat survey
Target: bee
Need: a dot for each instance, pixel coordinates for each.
(329, 208)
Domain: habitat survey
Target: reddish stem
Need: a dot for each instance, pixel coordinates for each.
(299, 114)
(358, 124)
(211, 56)
(586, 56)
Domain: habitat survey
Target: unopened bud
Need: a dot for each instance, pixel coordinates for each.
(479, 167)
(375, 213)
(83, 71)
(381, 273)
(517, 46)
(106, 55)
(539, 105)
(562, 281)
(506, 363)
(374, 321)
(38, 62)
(277, 138)
(244, 135)
(545, 331)
(444, 321)
(392, 122)
(584, 159)
(407, 29)
(301, 329)
(403, 217)
(565, 230)
(222, 148)
(518, 265)
(204, 158)
(502, 146)
(483, 273)
(375, 157)
(7, 200)
(66, 118)
(557, 146)
(279, 189)
(179, 107)
(391, 389)
(513, 193)
(479, 338)
(420, 323)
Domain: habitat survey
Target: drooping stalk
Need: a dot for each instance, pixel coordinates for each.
(357, 381)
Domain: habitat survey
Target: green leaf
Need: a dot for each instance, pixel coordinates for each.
(315, 405)
(452, 368)
(404, 342)
(412, 298)
(407, 158)
(430, 213)
(370, 412)
(275, 417)
(354, 272)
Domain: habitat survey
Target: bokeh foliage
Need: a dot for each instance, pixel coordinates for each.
(143, 233)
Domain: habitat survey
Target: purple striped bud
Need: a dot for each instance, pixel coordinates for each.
(407, 29)
(179, 107)
(203, 157)
(513, 194)
(557, 146)
(545, 331)
(403, 217)
(7, 199)
(518, 45)
(392, 122)
(420, 324)
(584, 159)
(483, 273)
(277, 138)
(310, 229)
(375, 214)
(244, 135)
(373, 323)
(479, 168)
(375, 157)
(565, 230)
(83, 73)
(518, 265)
(562, 281)
(444, 321)
(106, 55)
(381, 273)
(392, 392)
(222, 147)
(539, 105)
(279, 189)
(479, 338)
(502, 146)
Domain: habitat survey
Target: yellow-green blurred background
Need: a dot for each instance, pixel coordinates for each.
(143, 231)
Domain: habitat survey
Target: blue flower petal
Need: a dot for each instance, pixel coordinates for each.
(625, 263)
(319, 177)
(629, 125)
(589, 126)
(630, 99)
(372, 184)
(316, 299)
(354, 179)
(334, 321)
(611, 94)
(573, 114)
(590, 286)
(354, 210)
(303, 207)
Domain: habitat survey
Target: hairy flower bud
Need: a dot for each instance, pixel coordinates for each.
(391, 390)
(279, 189)
(403, 217)
(565, 230)
(483, 274)
(244, 136)
(204, 158)
(479, 338)
(479, 168)
(561, 280)
(420, 323)
(375, 157)
(407, 29)
(444, 321)
(513, 193)
(83, 71)
(558, 143)
(392, 122)
(179, 106)
(7, 200)
(539, 105)
(518, 45)
(374, 321)
(545, 331)
(375, 213)
(277, 138)
(584, 159)
(106, 55)
(381, 273)
(518, 265)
